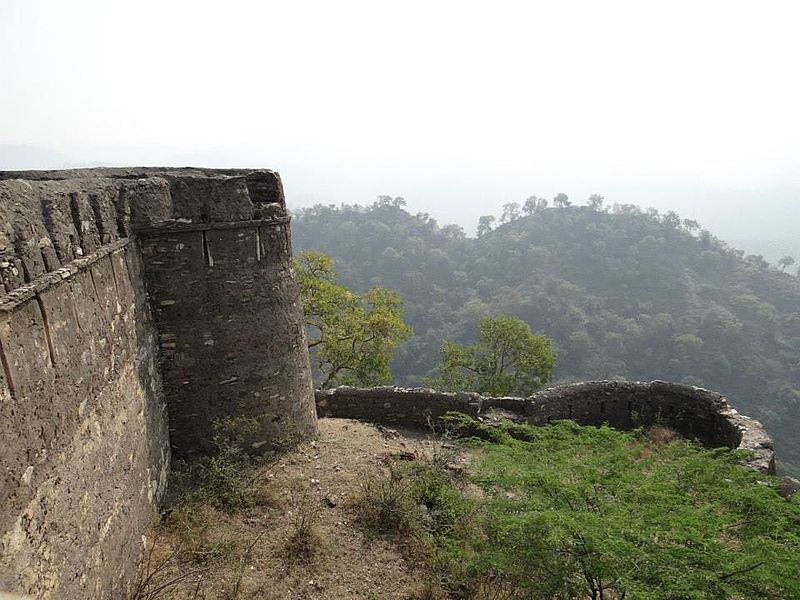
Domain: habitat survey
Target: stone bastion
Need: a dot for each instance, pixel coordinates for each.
(138, 307)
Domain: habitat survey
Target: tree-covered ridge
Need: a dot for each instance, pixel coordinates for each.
(622, 293)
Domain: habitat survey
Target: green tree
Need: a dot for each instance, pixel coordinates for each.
(534, 205)
(595, 202)
(786, 261)
(510, 212)
(507, 359)
(562, 201)
(453, 232)
(385, 201)
(690, 225)
(352, 337)
(485, 224)
(757, 260)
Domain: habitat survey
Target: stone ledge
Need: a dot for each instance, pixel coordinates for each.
(182, 226)
(20, 295)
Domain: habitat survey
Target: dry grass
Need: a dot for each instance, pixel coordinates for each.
(306, 509)
(661, 435)
(384, 503)
(301, 538)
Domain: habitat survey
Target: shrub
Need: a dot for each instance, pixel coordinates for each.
(385, 503)
(225, 480)
(591, 512)
(306, 510)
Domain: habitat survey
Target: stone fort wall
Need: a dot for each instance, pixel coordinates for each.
(694, 412)
(83, 426)
(136, 307)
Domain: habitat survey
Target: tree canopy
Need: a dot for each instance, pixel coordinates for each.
(507, 359)
(352, 336)
(785, 261)
(620, 290)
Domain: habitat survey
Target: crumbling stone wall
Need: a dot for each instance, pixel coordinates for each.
(693, 412)
(124, 293)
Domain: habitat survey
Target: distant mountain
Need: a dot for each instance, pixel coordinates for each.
(762, 221)
(630, 294)
(15, 157)
(772, 248)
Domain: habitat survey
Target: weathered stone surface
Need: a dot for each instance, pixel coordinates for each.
(83, 410)
(49, 218)
(789, 487)
(83, 427)
(232, 341)
(693, 412)
(412, 407)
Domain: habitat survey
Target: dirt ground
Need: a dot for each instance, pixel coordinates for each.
(249, 554)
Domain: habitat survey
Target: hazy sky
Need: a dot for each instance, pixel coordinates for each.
(457, 106)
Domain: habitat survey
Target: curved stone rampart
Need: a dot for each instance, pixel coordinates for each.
(694, 412)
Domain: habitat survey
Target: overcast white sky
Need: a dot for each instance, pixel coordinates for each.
(457, 106)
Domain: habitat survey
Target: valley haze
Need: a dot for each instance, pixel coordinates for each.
(456, 107)
(252, 238)
(759, 217)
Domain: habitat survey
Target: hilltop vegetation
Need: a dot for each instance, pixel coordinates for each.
(567, 511)
(488, 511)
(622, 293)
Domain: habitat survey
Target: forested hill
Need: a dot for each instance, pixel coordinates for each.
(622, 293)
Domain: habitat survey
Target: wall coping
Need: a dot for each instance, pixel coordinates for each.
(182, 226)
(48, 219)
(10, 301)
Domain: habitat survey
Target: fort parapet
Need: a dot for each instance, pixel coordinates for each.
(695, 413)
(137, 307)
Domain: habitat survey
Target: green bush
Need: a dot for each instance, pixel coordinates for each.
(574, 512)
(566, 511)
